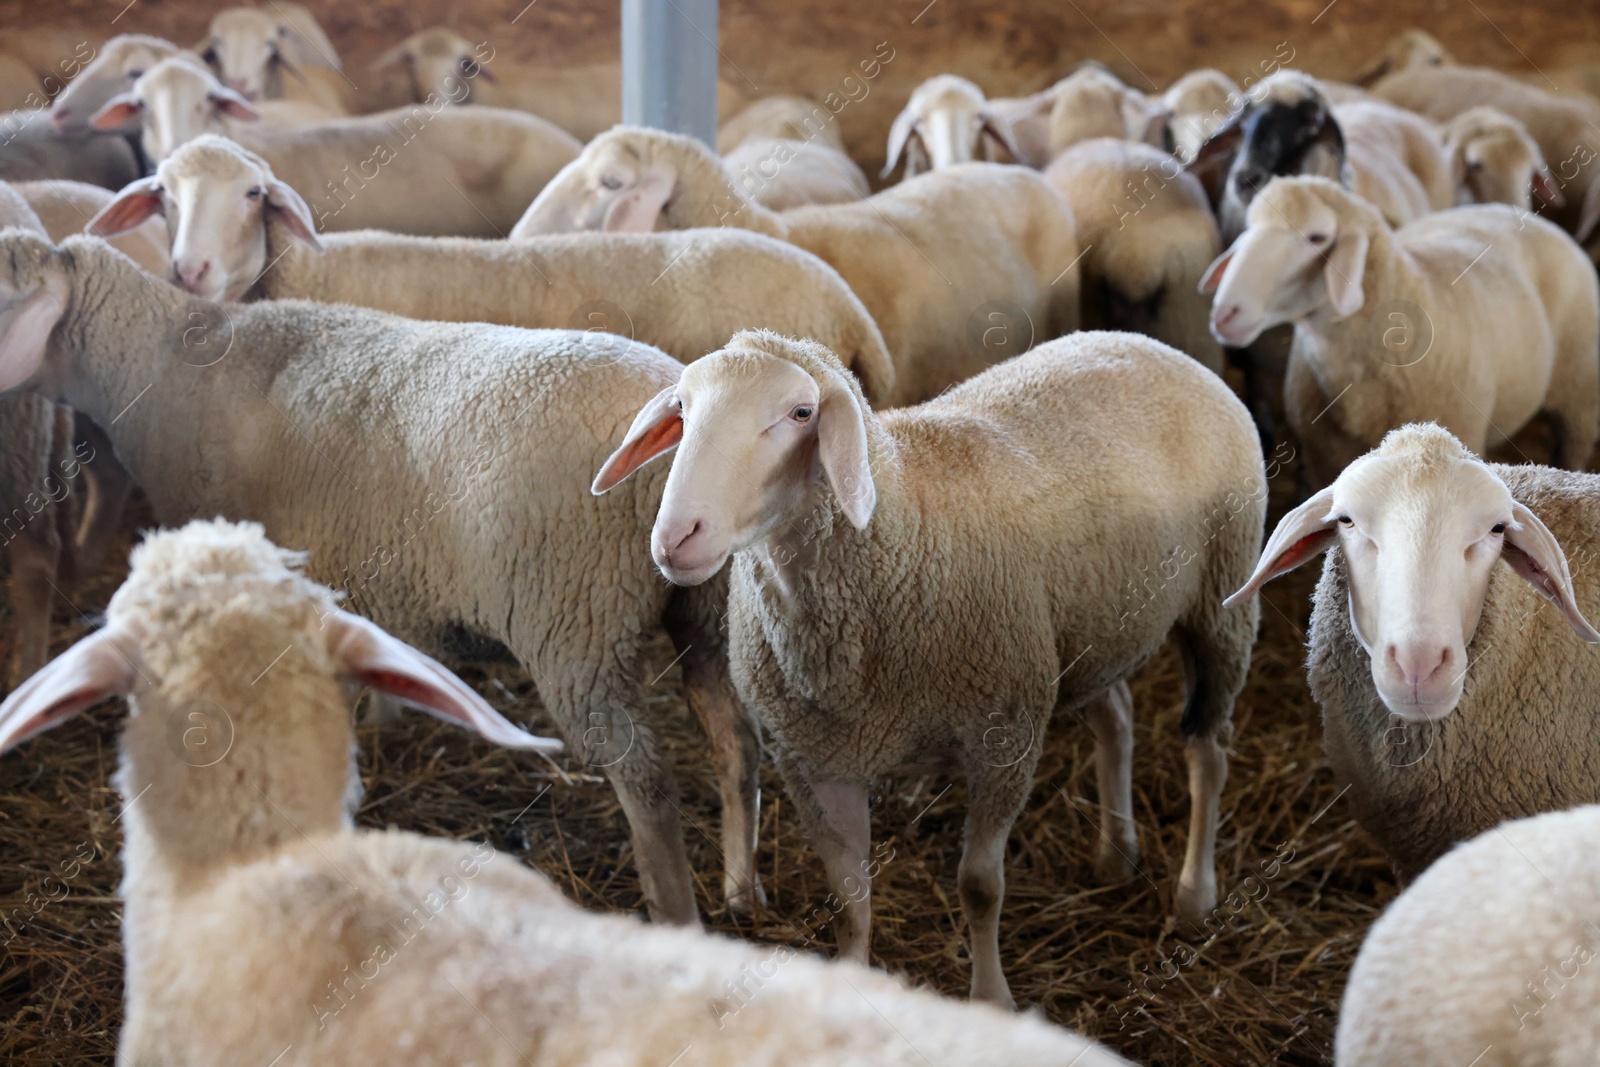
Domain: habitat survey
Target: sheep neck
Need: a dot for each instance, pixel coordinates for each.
(706, 196)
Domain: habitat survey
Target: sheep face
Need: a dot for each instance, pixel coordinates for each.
(175, 102)
(437, 61)
(609, 188)
(753, 432)
(1496, 162)
(218, 200)
(1292, 261)
(942, 125)
(245, 48)
(120, 63)
(1420, 522)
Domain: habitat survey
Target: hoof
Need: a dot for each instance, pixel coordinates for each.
(1196, 902)
(744, 897)
(1117, 861)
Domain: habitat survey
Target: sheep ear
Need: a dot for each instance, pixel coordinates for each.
(1347, 265)
(997, 128)
(1591, 214)
(1301, 535)
(90, 671)
(400, 53)
(842, 446)
(1219, 266)
(233, 105)
(136, 202)
(365, 653)
(1533, 552)
(656, 430)
(288, 208)
(118, 110)
(25, 326)
(899, 134)
(1545, 188)
(637, 210)
(1221, 145)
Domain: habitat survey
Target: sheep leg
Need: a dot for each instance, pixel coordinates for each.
(997, 795)
(1197, 883)
(35, 554)
(734, 734)
(844, 839)
(1110, 719)
(108, 487)
(648, 793)
(736, 753)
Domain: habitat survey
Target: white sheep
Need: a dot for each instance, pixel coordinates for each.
(260, 927)
(423, 169)
(276, 53)
(1479, 318)
(1494, 160)
(1147, 235)
(37, 471)
(1092, 102)
(946, 121)
(1490, 958)
(1453, 696)
(436, 469)
(1197, 105)
(583, 100)
(781, 118)
(958, 267)
(931, 583)
(1288, 125)
(32, 150)
(1408, 50)
(780, 174)
(685, 293)
(66, 207)
(118, 64)
(1563, 125)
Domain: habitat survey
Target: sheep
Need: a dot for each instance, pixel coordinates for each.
(780, 118)
(1148, 236)
(1288, 126)
(1478, 317)
(1451, 699)
(784, 174)
(1563, 125)
(1003, 529)
(36, 471)
(1410, 50)
(1196, 106)
(437, 170)
(946, 121)
(1028, 119)
(276, 54)
(434, 468)
(583, 100)
(1489, 958)
(32, 150)
(941, 289)
(1495, 161)
(684, 293)
(120, 62)
(376, 947)
(67, 207)
(1093, 102)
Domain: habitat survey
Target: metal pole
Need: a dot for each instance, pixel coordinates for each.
(669, 66)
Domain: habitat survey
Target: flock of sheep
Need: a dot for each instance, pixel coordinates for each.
(953, 454)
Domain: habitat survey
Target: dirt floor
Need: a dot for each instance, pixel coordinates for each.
(1264, 987)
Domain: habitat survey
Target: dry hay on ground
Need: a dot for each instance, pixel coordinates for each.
(1299, 881)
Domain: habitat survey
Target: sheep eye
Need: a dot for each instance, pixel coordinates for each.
(209, 55)
(135, 75)
(255, 194)
(1317, 238)
(1498, 528)
(1345, 520)
(611, 183)
(802, 413)
(677, 403)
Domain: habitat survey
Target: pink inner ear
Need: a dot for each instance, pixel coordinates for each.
(630, 457)
(1213, 275)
